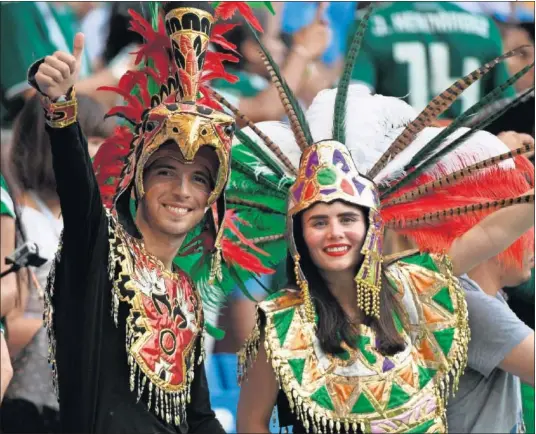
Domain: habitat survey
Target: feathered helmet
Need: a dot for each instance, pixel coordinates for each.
(419, 197)
(175, 61)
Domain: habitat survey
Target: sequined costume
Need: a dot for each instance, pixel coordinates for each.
(126, 334)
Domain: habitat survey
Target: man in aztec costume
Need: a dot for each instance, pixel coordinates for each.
(428, 185)
(114, 286)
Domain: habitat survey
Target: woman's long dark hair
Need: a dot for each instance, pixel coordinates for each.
(334, 326)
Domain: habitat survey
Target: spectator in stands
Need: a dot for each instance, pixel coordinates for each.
(513, 36)
(501, 350)
(415, 50)
(36, 29)
(31, 404)
(253, 94)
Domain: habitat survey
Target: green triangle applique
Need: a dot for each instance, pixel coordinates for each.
(398, 323)
(445, 338)
(423, 259)
(398, 397)
(422, 428)
(282, 321)
(297, 366)
(425, 375)
(322, 398)
(362, 343)
(362, 405)
(443, 299)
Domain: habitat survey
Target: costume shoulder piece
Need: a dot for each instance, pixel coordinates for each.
(356, 389)
(435, 312)
(163, 327)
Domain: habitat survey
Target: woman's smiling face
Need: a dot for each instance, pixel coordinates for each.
(334, 234)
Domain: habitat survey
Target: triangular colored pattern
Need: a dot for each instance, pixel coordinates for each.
(430, 315)
(445, 338)
(341, 392)
(311, 370)
(362, 405)
(407, 375)
(422, 428)
(425, 375)
(398, 324)
(398, 397)
(299, 342)
(362, 342)
(424, 260)
(422, 282)
(376, 389)
(426, 350)
(282, 321)
(322, 398)
(275, 295)
(297, 366)
(443, 299)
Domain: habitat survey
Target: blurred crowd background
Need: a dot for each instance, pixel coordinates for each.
(403, 55)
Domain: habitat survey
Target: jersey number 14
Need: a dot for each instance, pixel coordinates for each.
(435, 72)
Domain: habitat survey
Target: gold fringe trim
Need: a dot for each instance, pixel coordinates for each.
(249, 352)
(449, 377)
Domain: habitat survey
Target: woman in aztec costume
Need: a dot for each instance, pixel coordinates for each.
(441, 188)
(125, 324)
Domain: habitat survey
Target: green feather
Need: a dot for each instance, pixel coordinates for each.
(455, 143)
(304, 126)
(431, 146)
(259, 152)
(339, 115)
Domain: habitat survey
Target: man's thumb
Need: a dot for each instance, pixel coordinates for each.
(78, 46)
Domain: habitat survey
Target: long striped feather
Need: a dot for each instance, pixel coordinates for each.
(458, 211)
(431, 146)
(454, 177)
(339, 114)
(450, 147)
(276, 150)
(292, 107)
(434, 108)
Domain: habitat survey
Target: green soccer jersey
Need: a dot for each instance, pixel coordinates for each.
(29, 32)
(247, 86)
(415, 50)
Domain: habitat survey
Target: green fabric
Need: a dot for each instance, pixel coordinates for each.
(32, 37)
(297, 366)
(422, 428)
(527, 396)
(398, 324)
(444, 339)
(362, 343)
(425, 375)
(422, 259)
(327, 176)
(247, 86)
(398, 397)
(282, 321)
(443, 299)
(415, 50)
(362, 405)
(322, 398)
(6, 206)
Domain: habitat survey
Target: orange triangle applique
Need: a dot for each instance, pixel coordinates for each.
(342, 392)
(406, 374)
(422, 282)
(431, 315)
(311, 369)
(377, 388)
(426, 350)
(299, 342)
